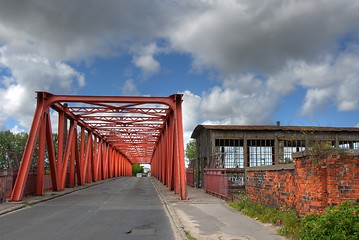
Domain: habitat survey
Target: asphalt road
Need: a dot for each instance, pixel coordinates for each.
(125, 208)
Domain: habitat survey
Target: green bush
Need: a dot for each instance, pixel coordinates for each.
(288, 220)
(290, 224)
(340, 222)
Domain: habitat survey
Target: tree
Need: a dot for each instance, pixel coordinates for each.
(137, 168)
(191, 152)
(11, 148)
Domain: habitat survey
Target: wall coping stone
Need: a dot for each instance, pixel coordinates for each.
(334, 151)
(279, 167)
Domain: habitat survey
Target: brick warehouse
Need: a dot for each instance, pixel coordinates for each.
(234, 152)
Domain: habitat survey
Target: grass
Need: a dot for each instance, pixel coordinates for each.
(335, 222)
(189, 236)
(288, 219)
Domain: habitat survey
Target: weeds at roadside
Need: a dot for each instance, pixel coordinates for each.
(189, 236)
(337, 222)
(288, 220)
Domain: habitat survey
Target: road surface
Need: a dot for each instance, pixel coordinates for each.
(125, 208)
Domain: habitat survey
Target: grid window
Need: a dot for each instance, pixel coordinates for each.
(261, 152)
(290, 147)
(229, 153)
(348, 145)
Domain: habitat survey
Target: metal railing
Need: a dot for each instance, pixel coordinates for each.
(8, 178)
(224, 182)
(190, 177)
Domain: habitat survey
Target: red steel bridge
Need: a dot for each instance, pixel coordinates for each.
(101, 137)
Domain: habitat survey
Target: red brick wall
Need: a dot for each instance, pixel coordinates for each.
(274, 188)
(311, 186)
(343, 179)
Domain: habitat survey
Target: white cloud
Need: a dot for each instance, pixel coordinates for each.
(233, 36)
(239, 100)
(237, 36)
(147, 63)
(191, 112)
(29, 73)
(144, 59)
(316, 100)
(129, 88)
(242, 99)
(261, 51)
(251, 99)
(16, 129)
(332, 81)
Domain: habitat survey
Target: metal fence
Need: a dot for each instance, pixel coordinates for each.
(216, 182)
(224, 182)
(190, 177)
(8, 178)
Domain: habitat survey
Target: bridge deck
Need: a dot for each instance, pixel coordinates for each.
(125, 208)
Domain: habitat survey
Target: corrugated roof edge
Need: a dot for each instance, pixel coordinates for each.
(200, 127)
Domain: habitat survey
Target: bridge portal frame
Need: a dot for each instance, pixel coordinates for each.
(97, 157)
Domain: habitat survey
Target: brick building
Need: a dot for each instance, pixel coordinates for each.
(236, 148)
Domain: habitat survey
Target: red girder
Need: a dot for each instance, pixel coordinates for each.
(81, 111)
(115, 132)
(122, 119)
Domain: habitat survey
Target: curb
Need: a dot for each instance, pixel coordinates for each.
(44, 198)
(179, 230)
(11, 209)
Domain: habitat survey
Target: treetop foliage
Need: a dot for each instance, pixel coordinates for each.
(191, 152)
(11, 148)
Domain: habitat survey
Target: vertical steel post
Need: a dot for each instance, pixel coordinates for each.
(95, 160)
(171, 155)
(77, 159)
(60, 145)
(18, 189)
(82, 159)
(41, 157)
(88, 160)
(99, 161)
(51, 152)
(180, 147)
(69, 144)
(72, 157)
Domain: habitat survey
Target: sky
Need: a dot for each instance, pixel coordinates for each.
(243, 62)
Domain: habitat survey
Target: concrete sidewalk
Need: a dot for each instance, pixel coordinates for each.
(207, 217)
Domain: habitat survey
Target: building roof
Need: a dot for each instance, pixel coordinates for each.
(196, 132)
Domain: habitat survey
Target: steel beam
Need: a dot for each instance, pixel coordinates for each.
(115, 132)
(20, 182)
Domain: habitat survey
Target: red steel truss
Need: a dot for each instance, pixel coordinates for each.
(105, 137)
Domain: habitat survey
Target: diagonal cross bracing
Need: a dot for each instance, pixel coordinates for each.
(105, 137)
(126, 125)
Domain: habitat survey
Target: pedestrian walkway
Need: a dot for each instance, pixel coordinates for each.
(207, 217)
